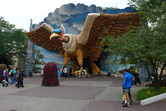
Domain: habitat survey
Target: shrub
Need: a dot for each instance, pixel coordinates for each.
(132, 69)
(149, 92)
(2, 67)
(37, 70)
(50, 77)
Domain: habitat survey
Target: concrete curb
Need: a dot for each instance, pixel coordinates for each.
(153, 99)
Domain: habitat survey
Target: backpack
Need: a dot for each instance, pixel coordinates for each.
(17, 75)
(12, 73)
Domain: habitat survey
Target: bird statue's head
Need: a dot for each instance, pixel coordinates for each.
(58, 34)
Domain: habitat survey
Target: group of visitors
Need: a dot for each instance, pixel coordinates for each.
(65, 72)
(16, 76)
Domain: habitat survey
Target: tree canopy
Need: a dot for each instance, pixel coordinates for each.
(39, 55)
(146, 44)
(13, 42)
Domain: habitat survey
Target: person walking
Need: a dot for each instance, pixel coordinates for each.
(41, 73)
(137, 79)
(70, 72)
(20, 79)
(12, 74)
(62, 71)
(6, 75)
(59, 74)
(16, 75)
(65, 72)
(127, 83)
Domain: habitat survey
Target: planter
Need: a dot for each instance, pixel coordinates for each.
(50, 76)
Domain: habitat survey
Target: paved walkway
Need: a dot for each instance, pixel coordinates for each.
(85, 94)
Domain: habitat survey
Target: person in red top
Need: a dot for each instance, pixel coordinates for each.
(6, 75)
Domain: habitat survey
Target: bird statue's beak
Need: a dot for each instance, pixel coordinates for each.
(54, 35)
(59, 37)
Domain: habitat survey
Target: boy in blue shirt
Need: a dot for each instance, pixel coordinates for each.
(127, 83)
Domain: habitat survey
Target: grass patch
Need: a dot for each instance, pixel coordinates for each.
(149, 92)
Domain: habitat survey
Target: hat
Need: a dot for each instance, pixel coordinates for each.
(57, 31)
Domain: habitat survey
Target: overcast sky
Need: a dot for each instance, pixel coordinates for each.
(19, 12)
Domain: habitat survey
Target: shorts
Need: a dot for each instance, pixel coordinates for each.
(127, 89)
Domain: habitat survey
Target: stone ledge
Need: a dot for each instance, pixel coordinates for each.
(153, 99)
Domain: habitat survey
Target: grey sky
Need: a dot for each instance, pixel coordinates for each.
(19, 12)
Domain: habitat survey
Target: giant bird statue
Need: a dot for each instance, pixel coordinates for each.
(86, 45)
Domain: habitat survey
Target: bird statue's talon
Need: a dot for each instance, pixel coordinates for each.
(81, 73)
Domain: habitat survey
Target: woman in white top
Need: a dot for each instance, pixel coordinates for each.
(65, 72)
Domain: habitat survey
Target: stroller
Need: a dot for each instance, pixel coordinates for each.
(4, 83)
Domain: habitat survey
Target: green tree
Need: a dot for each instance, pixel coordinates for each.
(146, 44)
(13, 42)
(19, 41)
(39, 55)
(112, 8)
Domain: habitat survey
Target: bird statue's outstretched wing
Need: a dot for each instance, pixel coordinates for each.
(41, 37)
(96, 26)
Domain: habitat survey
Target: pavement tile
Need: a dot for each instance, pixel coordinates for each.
(25, 103)
(67, 92)
(117, 106)
(87, 83)
(98, 93)
(115, 94)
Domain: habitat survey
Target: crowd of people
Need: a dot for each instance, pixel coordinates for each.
(64, 72)
(16, 77)
(67, 72)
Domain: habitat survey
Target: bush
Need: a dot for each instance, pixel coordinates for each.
(50, 77)
(149, 92)
(132, 69)
(37, 70)
(2, 67)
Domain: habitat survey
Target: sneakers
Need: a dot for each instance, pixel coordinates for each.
(125, 105)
